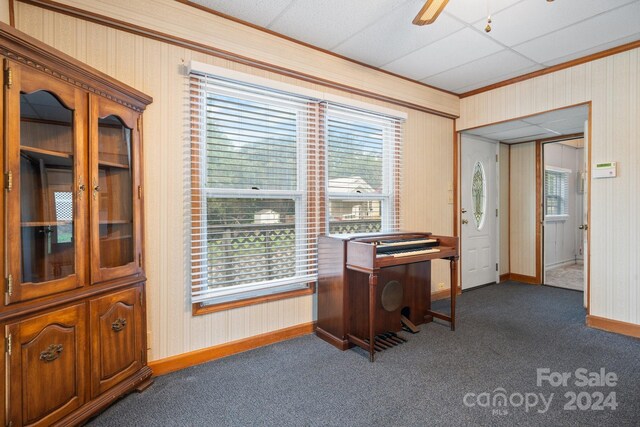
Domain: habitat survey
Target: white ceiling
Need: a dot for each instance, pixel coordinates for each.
(454, 53)
(567, 121)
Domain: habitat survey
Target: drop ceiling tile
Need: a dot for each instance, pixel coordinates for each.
(619, 23)
(580, 112)
(480, 70)
(591, 50)
(497, 128)
(563, 126)
(459, 48)
(328, 23)
(471, 11)
(258, 12)
(394, 36)
(498, 79)
(528, 138)
(534, 18)
(518, 133)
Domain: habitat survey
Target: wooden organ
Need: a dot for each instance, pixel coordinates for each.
(370, 285)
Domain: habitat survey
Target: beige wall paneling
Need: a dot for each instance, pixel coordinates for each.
(522, 224)
(503, 261)
(428, 162)
(4, 11)
(157, 69)
(612, 84)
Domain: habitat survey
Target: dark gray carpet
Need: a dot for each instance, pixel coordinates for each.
(504, 333)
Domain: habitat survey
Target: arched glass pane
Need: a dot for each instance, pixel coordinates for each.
(46, 188)
(115, 193)
(478, 194)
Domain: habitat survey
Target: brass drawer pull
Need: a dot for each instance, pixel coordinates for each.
(119, 324)
(51, 353)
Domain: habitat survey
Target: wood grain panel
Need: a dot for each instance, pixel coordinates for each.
(157, 69)
(522, 223)
(611, 85)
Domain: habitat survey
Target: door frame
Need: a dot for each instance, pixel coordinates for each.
(457, 146)
(540, 190)
(458, 203)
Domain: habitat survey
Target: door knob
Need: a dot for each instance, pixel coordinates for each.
(464, 221)
(464, 210)
(583, 227)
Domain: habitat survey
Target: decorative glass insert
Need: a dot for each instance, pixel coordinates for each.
(479, 194)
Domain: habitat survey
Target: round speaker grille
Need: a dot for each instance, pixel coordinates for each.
(392, 296)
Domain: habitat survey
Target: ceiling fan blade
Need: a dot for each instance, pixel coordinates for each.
(429, 12)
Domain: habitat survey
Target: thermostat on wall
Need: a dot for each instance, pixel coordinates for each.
(605, 170)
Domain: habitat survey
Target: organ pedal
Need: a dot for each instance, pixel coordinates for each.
(408, 325)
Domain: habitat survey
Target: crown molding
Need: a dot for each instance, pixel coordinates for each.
(554, 68)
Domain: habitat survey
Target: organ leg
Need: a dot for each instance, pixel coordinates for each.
(373, 284)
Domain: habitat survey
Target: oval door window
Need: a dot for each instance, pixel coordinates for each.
(479, 194)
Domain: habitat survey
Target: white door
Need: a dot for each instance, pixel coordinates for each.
(585, 212)
(479, 201)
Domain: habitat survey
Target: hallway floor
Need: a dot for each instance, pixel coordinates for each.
(566, 276)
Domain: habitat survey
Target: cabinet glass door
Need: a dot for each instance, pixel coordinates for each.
(114, 202)
(43, 151)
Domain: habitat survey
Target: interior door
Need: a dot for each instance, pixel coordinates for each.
(585, 214)
(479, 189)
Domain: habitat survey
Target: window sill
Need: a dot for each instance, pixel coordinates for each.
(198, 309)
(555, 218)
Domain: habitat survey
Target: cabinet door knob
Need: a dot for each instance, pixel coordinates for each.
(119, 324)
(81, 188)
(51, 353)
(96, 189)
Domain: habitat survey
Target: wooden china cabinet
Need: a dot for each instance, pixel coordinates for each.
(74, 285)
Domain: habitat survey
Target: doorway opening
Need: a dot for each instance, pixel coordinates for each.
(563, 189)
(527, 235)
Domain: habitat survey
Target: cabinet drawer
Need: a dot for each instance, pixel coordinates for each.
(116, 338)
(47, 366)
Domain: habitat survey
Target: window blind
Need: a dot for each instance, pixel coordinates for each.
(255, 205)
(364, 152)
(556, 185)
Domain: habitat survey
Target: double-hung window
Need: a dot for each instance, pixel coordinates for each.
(268, 172)
(556, 190)
(363, 179)
(252, 232)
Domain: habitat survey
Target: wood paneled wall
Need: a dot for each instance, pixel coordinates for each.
(503, 217)
(522, 220)
(612, 85)
(157, 69)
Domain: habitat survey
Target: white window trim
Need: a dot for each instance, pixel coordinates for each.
(567, 173)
